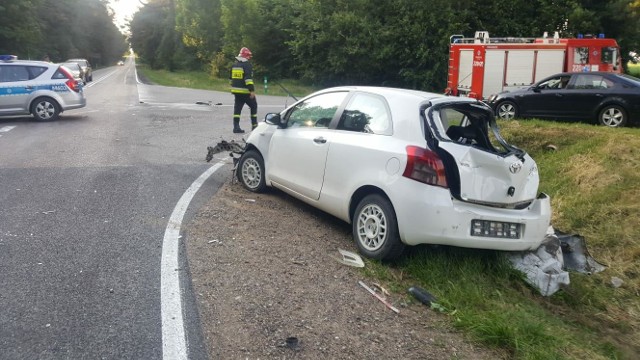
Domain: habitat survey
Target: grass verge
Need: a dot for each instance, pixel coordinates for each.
(593, 179)
(201, 80)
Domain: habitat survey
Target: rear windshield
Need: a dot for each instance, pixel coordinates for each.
(471, 124)
(634, 80)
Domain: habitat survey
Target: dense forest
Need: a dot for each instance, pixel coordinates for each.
(61, 29)
(377, 42)
(323, 42)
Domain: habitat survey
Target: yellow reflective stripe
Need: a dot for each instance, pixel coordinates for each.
(248, 81)
(237, 73)
(237, 90)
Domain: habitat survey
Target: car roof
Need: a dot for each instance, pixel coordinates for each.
(26, 62)
(417, 95)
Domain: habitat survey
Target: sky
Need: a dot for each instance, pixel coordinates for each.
(124, 10)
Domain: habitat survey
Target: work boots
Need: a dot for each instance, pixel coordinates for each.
(236, 127)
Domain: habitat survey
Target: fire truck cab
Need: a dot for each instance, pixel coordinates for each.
(482, 66)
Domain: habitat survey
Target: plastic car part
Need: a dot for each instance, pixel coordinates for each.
(349, 258)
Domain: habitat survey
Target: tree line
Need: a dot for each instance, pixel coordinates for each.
(60, 29)
(368, 42)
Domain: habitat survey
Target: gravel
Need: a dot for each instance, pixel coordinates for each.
(263, 272)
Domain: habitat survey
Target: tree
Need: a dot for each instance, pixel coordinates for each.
(19, 35)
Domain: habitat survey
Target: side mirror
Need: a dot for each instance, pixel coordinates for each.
(273, 119)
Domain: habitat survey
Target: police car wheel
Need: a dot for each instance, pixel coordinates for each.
(45, 109)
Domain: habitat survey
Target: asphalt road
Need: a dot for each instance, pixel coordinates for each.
(85, 204)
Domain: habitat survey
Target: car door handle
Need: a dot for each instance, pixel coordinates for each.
(29, 87)
(599, 95)
(320, 140)
(559, 95)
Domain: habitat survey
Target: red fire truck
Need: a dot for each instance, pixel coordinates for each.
(482, 66)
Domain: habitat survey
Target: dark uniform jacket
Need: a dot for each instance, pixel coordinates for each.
(242, 78)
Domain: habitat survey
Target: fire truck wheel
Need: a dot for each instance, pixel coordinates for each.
(612, 116)
(507, 110)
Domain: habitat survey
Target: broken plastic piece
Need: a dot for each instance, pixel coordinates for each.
(349, 258)
(422, 295)
(383, 300)
(292, 343)
(545, 268)
(575, 254)
(224, 145)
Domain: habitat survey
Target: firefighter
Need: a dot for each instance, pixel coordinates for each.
(243, 90)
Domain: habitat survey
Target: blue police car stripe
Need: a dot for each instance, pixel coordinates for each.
(22, 90)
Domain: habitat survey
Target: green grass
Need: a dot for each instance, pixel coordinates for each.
(593, 179)
(201, 80)
(634, 69)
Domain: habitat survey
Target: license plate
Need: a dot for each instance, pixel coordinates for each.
(496, 229)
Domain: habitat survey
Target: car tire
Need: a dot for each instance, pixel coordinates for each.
(45, 109)
(612, 116)
(250, 171)
(375, 229)
(507, 110)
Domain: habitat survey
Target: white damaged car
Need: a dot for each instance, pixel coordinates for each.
(403, 167)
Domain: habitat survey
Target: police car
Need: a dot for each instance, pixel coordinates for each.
(39, 88)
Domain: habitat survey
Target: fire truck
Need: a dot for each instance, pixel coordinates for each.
(482, 66)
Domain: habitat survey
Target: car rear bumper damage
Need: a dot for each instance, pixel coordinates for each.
(443, 220)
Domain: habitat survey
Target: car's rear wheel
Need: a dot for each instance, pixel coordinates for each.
(507, 110)
(375, 229)
(45, 109)
(612, 116)
(250, 171)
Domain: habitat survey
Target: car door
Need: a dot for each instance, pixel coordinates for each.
(298, 153)
(487, 170)
(15, 88)
(585, 93)
(545, 99)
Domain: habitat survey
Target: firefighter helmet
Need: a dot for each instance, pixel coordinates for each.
(245, 53)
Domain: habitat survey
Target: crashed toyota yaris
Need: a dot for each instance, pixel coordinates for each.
(403, 167)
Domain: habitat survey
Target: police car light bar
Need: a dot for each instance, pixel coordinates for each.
(8, 57)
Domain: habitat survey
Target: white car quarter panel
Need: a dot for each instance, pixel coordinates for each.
(355, 160)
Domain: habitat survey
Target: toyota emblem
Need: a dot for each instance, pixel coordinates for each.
(515, 167)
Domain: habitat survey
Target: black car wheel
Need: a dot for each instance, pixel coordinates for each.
(250, 171)
(375, 229)
(507, 110)
(45, 109)
(612, 116)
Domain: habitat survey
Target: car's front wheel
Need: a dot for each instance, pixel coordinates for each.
(612, 116)
(250, 171)
(507, 110)
(45, 109)
(375, 229)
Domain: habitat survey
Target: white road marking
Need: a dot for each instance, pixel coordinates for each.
(6, 129)
(100, 79)
(174, 344)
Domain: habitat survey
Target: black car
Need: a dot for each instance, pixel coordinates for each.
(611, 99)
(86, 68)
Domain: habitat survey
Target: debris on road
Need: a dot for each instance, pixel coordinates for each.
(377, 296)
(422, 295)
(546, 267)
(349, 258)
(232, 146)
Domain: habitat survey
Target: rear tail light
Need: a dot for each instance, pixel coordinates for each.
(71, 83)
(425, 166)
